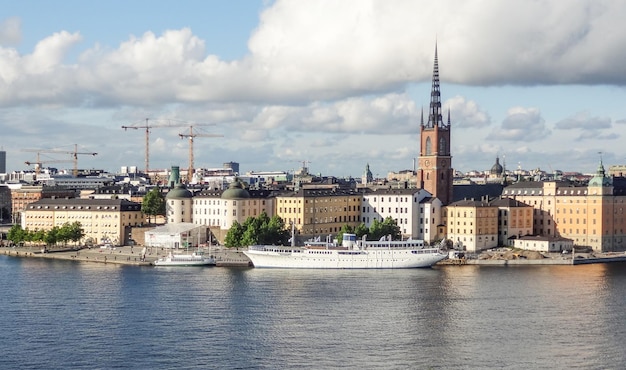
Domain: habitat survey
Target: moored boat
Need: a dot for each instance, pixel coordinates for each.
(194, 259)
(352, 254)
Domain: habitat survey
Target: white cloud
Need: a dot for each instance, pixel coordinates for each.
(521, 124)
(466, 113)
(584, 121)
(10, 31)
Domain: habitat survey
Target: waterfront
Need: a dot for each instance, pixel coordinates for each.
(67, 314)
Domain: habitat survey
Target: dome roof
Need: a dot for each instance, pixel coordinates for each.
(600, 179)
(235, 191)
(179, 192)
(497, 169)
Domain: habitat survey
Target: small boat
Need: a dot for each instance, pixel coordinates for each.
(194, 259)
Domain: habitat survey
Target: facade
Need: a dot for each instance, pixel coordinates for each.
(5, 204)
(319, 211)
(218, 210)
(435, 173)
(178, 205)
(544, 244)
(182, 235)
(103, 220)
(472, 225)
(23, 195)
(416, 219)
(515, 219)
(591, 215)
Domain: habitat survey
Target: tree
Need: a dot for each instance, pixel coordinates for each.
(16, 234)
(234, 235)
(52, 236)
(153, 203)
(390, 227)
(345, 229)
(257, 230)
(376, 230)
(361, 230)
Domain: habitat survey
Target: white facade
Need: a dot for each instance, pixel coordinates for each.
(175, 236)
(209, 209)
(416, 219)
(543, 244)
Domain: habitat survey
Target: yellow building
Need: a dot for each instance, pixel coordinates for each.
(472, 225)
(591, 215)
(103, 220)
(515, 219)
(319, 212)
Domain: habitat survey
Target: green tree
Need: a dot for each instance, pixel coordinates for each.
(361, 230)
(345, 229)
(257, 230)
(278, 233)
(153, 203)
(52, 236)
(390, 227)
(16, 234)
(376, 230)
(234, 235)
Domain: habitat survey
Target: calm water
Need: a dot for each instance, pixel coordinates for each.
(62, 314)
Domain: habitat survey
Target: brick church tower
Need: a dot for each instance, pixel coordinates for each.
(434, 173)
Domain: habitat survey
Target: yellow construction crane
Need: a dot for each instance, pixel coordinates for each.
(74, 155)
(191, 135)
(160, 123)
(38, 163)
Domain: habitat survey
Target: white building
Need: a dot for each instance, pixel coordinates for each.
(544, 244)
(415, 211)
(180, 235)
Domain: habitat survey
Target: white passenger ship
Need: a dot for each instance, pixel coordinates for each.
(353, 254)
(194, 259)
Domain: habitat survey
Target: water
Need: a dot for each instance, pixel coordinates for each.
(63, 314)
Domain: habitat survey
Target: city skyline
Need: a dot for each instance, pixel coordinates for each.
(338, 85)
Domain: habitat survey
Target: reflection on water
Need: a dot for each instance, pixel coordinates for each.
(61, 314)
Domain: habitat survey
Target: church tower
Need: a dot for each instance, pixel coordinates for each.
(434, 173)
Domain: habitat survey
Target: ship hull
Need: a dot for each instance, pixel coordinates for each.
(334, 259)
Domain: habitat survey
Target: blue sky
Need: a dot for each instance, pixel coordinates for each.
(336, 84)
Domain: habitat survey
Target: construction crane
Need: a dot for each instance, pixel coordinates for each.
(74, 155)
(305, 167)
(191, 135)
(150, 124)
(38, 163)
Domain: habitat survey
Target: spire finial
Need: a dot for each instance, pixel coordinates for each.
(434, 114)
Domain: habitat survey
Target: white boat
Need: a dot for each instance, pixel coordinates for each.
(194, 259)
(352, 254)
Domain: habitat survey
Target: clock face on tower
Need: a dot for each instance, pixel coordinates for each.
(427, 163)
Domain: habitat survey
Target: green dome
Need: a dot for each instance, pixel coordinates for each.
(235, 191)
(600, 179)
(179, 192)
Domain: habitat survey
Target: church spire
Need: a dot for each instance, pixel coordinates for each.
(434, 116)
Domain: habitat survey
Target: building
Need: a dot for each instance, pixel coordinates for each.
(515, 219)
(103, 220)
(22, 195)
(218, 210)
(3, 161)
(591, 215)
(544, 244)
(5, 204)
(181, 235)
(435, 173)
(319, 212)
(415, 211)
(178, 205)
(472, 225)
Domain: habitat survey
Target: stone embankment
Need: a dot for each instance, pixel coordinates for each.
(119, 255)
(505, 257)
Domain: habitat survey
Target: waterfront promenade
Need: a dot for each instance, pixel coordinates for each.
(225, 257)
(125, 255)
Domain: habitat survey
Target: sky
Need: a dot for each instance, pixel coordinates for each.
(334, 85)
